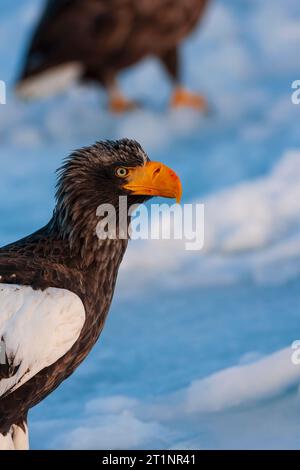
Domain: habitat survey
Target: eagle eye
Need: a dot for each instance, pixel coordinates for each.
(122, 172)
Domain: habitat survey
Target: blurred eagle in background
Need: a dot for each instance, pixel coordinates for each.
(93, 40)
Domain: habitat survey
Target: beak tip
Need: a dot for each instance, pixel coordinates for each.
(179, 192)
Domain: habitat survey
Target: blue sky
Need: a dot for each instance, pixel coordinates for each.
(190, 335)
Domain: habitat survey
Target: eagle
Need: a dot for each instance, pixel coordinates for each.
(57, 284)
(94, 40)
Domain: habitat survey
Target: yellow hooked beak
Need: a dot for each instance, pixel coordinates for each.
(154, 179)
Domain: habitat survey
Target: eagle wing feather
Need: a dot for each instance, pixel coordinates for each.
(37, 327)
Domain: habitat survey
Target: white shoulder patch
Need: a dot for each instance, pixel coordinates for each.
(36, 329)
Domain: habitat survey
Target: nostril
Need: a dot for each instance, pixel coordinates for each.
(156, 172)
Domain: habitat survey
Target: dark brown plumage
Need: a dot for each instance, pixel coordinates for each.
(102, 37)
(66, 254)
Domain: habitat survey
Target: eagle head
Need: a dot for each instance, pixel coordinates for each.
(100, 174)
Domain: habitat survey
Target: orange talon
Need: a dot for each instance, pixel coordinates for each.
(185, 98)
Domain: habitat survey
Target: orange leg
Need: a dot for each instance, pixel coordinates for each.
(184, 98)
(121, 104)
(118, 103)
